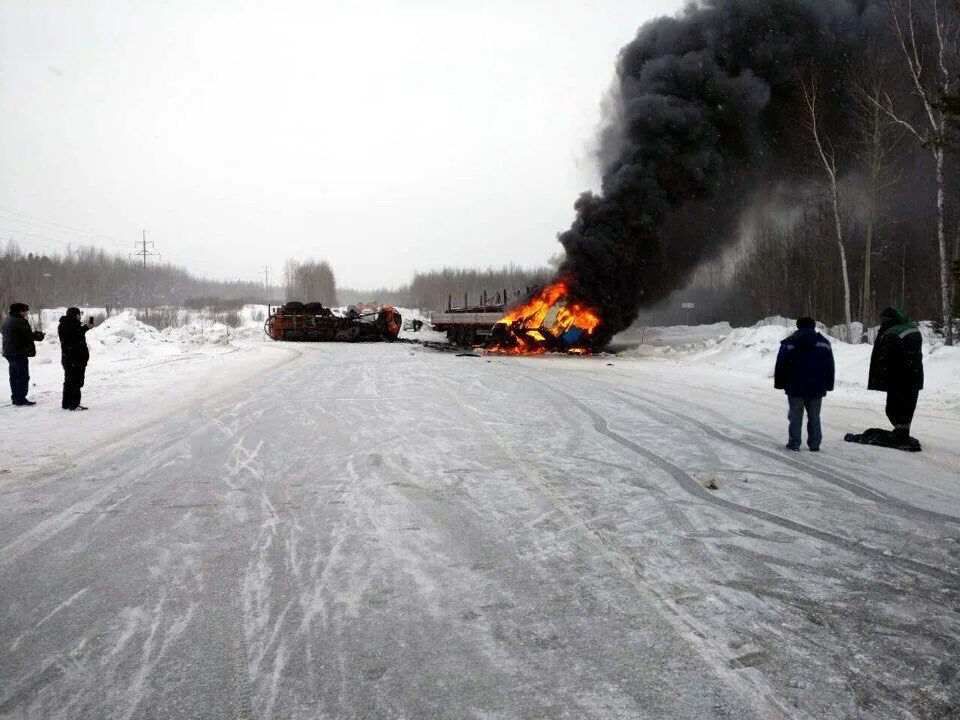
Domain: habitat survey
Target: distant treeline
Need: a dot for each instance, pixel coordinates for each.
(431, 289)
(214, 304)
(92, 277)
(310, 281)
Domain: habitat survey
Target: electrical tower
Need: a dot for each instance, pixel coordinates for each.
(143, 251)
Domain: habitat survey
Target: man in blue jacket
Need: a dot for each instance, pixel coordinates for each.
(805, 371)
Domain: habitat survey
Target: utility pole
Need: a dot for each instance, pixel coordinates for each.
(266, 283)
(144, 252)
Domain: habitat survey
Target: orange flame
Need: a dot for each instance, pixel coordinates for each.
(547, 313)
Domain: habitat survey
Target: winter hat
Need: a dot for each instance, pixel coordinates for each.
(73, 312)
(806, 323)
(892, 315)
(17, 308)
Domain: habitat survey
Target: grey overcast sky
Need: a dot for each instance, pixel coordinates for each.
(382, 136)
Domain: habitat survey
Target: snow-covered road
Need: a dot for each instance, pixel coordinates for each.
(386, 531)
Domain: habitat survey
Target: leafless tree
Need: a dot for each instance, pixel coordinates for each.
(310, 281)
(931, 66)
(828, 159)
(877, 144)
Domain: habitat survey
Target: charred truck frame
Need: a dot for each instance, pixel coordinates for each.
(312, 322)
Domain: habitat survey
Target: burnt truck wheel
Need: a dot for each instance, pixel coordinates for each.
(350, 334)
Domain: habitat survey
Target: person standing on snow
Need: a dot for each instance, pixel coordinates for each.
(896, 367)
(805, 371)
(18, 348)
(74, 356)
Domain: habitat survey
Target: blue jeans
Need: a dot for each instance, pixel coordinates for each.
(19, 377)
(814, 433)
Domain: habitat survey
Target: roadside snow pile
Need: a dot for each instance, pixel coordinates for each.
(751, 349)
(676, 337)
(754, 351)
(123, 336)
(426, 331)
(119, 332)
(200, 334)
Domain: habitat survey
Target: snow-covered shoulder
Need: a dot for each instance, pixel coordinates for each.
(753, 351)
(137, 375)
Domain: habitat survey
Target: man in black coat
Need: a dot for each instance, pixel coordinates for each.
(18, 348)
(805, 371)
(74, 356)
(896, 367)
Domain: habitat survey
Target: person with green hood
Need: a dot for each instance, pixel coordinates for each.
(896, 368)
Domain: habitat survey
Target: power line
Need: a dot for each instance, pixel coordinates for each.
(36, 236)
(49, 224)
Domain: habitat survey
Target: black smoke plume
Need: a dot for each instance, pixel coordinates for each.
(706, 121)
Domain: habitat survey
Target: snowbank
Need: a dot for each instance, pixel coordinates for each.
(137, 374)
(675, 336)
(426, 333)
(754, 350)
(123, 336)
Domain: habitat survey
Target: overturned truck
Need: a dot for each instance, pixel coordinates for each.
(312, 322)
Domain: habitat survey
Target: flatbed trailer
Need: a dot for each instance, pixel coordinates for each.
(471, 325)
(465, 327)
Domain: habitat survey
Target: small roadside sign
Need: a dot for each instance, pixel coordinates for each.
(688, 306)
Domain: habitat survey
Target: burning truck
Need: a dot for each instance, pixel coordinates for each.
(548, 321)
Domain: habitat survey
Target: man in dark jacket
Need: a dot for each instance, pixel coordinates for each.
(805, 371)
(18, 348)
(896, 368)
(74, 356)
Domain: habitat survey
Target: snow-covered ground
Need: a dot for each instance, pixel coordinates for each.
(387, 531)
(426, 333)
(752, 352)
(136, 375)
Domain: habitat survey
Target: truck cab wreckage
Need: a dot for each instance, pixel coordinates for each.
(312, 322)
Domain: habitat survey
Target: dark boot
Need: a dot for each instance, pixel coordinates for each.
(903, 441)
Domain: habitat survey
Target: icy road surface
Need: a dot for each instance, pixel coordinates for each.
(379, 531)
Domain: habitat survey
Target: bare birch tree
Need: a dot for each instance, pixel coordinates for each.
(310, 281)
(877, 145)
(932, 81)
(828, 159)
